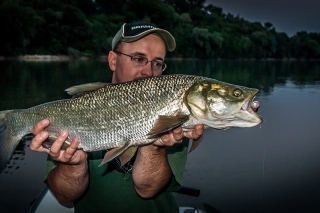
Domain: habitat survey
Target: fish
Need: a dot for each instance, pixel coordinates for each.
(121, 117)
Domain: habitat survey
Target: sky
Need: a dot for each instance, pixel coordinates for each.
(289, 16)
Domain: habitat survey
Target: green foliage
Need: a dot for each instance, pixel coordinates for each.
(73, 52)
(86, 27)
(305, 46)
(18, 24)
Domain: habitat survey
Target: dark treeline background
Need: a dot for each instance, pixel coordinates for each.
(86, 28)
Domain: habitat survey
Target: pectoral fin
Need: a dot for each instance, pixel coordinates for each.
(166, 123)
(114, 153)
(195, 143)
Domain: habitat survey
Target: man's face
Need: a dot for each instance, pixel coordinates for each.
(151, 47)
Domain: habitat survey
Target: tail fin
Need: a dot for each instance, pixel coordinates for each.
(8, 142)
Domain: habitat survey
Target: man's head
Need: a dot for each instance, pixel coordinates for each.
(138, 51)
(130, 32)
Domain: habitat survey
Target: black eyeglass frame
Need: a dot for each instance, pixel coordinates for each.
(163, 65)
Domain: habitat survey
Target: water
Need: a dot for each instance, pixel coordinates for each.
(270, 168)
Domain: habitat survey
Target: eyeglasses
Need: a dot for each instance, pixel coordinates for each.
(142, 61)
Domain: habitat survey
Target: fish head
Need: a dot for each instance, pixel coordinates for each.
(221, 105)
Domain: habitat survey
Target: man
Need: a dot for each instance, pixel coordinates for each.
(145, 182)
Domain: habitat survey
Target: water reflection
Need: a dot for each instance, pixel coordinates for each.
(263, 75)
(26, 84)
(18, 155)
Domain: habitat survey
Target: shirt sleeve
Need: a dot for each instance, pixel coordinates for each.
(51, 164)
(177, 158)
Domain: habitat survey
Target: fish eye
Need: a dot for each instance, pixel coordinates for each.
(237, 92)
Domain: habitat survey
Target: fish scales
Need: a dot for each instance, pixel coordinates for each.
(129, 111)
(132, 108)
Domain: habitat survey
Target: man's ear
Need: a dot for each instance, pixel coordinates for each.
(112, 59)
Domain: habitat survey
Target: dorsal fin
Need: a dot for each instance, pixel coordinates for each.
(82, 89)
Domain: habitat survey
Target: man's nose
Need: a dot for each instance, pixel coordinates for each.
(147, 70)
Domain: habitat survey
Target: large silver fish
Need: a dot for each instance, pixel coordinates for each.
(122, 116)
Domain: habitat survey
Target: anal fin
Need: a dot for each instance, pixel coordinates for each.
(127, 155)
(114, 153)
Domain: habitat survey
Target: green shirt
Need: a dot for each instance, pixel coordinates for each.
(112, 191)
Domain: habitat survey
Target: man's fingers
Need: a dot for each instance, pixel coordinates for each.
(170, 138)
(165, 138)
(177, 134)
(68, 156)
(74, 144)
(40, 136)
(72, 154)
(199, 129)
(36, 143)
(72, 148)
(56, 146)
(196, 133)
(40, 126)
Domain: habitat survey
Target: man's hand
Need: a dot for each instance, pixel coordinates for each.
(69, 180)
(151, 171)
(196, 133)
(71, 155)
(176, 135)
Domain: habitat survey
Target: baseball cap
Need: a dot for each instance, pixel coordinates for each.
(130, 32)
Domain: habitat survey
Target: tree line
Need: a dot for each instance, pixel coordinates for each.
(86, 28)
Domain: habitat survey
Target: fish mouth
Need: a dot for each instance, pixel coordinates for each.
(249, 111)
(250, 105)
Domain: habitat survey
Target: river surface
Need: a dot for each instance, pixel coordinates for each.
(274, 167)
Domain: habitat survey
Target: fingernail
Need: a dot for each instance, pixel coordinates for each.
(64, 133)
(45, 121)
(43, 134)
